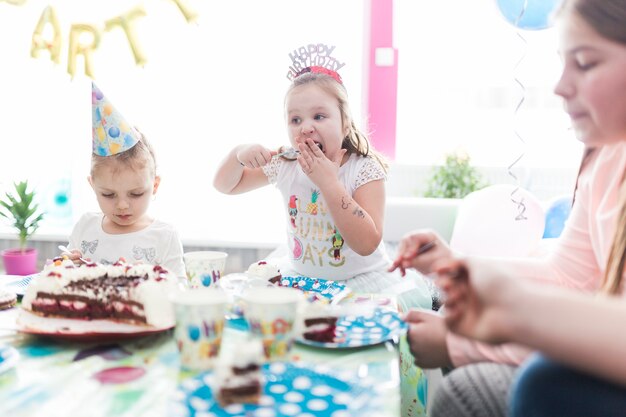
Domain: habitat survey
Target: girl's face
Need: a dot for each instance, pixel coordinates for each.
(124, 195)
(593, 82)
(314, 113)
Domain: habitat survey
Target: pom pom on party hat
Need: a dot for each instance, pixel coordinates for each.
(111, 134)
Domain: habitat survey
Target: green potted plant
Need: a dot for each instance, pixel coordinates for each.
(22, 211)
(455, 179)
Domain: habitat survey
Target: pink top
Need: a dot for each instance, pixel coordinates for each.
(578, 259)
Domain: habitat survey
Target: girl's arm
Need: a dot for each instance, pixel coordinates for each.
(580, 330)
(359, 218)
(240, 171)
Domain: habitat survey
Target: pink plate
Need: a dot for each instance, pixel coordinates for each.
(82, 330)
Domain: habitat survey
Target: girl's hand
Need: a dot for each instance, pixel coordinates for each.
(479, 298)
(411, 252)
(316, 165)
(254, 155)
(75, 256)
(427, 339)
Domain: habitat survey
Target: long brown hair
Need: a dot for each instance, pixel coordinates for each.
(608, 18)
(355, 141)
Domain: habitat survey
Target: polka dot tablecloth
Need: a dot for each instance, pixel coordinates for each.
(364, 330)
(290, 390)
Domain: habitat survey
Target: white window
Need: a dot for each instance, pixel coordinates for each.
(459, 66)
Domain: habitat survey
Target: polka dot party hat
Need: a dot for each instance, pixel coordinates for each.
(111, 133)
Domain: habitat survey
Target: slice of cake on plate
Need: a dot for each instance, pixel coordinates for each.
(264, 270)
(132, 293)
(318, 322)
(238, 380)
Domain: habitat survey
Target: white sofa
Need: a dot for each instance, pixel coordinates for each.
(404, 214)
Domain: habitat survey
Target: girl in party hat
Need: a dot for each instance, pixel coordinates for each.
(123, 177)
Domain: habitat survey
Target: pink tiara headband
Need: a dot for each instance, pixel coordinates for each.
(314, 58)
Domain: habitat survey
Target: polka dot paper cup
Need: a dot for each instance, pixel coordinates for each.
(200, 317)
(271, 315)
(204, 268)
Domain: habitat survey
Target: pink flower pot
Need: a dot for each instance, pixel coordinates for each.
(17, 262)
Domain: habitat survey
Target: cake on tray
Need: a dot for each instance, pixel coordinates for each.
(130, 293)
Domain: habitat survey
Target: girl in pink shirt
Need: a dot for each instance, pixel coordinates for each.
(593, 86)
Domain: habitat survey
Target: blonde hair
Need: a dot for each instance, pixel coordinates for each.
(137, 158)
(355, 141)
(608, 19)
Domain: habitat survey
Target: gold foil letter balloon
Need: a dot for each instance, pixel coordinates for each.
(48, 17)
(126, 22)
(79, 47)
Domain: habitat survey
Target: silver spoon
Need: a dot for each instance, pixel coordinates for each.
(64, 249)
(289, 153)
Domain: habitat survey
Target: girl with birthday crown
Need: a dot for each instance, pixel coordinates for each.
(123, 177)
(332, 183)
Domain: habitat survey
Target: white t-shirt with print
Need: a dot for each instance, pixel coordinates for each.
(316, 249)
(159, 243)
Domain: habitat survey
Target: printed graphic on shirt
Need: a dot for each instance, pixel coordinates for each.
(297, 248)
(147, 254)
(88, 247)
(337, 241)
(316, 240)
(293, 209)
(311, 208)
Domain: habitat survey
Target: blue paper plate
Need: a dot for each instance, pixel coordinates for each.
(290, 390)
(364, 330)
(316, 287)
(8, 358)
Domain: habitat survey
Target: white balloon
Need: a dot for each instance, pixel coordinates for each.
(492, 222)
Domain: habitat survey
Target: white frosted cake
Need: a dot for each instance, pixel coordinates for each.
(318, 322)
(134, 293)
(264, 270)
(239, 380)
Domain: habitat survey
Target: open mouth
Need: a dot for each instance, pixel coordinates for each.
(319, 145)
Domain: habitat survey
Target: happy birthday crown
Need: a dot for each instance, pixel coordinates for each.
(314, 58)
(111, 133)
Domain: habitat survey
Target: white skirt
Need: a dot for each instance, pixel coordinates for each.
(411, 291)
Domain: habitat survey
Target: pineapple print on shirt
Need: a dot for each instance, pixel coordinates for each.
(311, 208)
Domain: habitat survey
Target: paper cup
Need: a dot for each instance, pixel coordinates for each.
(204, 268)
(200, 316)
(271, 314)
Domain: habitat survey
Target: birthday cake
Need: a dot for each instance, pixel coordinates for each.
(264, 270)
(239, 380)
(133, 293)
(318, 323)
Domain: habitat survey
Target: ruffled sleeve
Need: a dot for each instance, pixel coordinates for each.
(371, 170)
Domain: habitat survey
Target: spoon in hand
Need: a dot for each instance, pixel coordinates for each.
(64, 249)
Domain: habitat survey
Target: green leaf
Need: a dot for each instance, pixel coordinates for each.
(19, 207)
(456, 179)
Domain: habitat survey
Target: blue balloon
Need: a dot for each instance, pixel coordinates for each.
(556, 214)
(535, 16)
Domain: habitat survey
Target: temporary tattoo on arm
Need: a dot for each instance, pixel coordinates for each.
(358, 212)
(344, 205)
